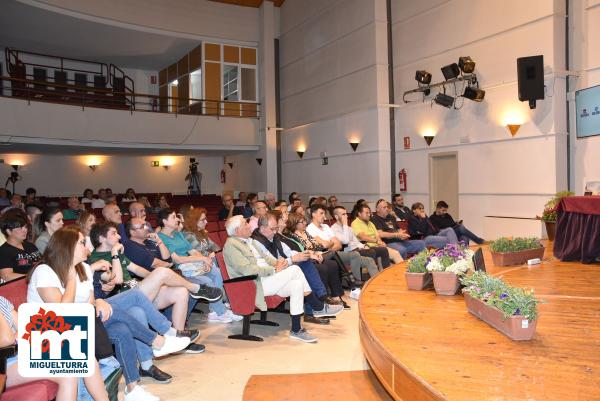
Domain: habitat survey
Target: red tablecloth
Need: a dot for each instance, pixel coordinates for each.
(580, 204)
(578, 229)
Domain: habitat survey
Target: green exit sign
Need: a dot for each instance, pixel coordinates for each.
(155, 163)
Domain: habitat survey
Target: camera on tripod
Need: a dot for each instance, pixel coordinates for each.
(193, 178)
(193, 164)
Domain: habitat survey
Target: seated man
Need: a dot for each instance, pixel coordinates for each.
(441, 220)
(241, 202)
(270, 200)
(16, 202)
(74, 209)
(269, 242)
(248, 208)
(229, 209)
(274, 277)
(325, 236)
(402, 212)
(162, 286)
(98, 202)
(365, 231)
(260, 209)
(389, 232)
(420, 227)
(294, 200)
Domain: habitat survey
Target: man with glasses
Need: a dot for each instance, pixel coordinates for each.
(229, 209)
(259, 210)
(316, 310)
(145, 248)
(389, 232)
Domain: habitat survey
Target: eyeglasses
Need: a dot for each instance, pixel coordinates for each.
(82, 242)
(139, 226)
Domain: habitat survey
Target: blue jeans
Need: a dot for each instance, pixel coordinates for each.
(464, 235)
(405, 247)
(138, 307)
(443, 237)
(107, 366)
(314, 281)
(212, 279)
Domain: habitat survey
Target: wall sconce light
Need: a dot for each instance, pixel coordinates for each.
(93, 167)
(230, 165)
(300, 153)
(16, 166)
(354, 144)
(513, 128)
(259, 161)
(428, 139)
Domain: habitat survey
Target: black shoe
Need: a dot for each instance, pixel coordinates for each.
(194, 348)
(192, 334)
(344, 304)
(315, 320)
(211, 294)
(156, 374)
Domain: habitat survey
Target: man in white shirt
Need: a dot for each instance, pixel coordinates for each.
(98, 203)
(325, 236)
(351, 243)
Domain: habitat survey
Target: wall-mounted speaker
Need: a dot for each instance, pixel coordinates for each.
(530, 72)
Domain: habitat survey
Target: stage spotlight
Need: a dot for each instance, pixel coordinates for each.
(450, 71)
(475, 94)
(423, 77)
(444, 100)
(466, 64)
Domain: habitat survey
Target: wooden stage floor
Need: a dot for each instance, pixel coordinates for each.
(427, 347)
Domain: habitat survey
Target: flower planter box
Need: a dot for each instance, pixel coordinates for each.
(515, 327)
(550, 229)
(445, 283)
(418, 281)
(516, 258)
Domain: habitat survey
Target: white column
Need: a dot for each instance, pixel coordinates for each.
(268, 152)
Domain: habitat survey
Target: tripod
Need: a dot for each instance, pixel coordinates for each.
(14, 177)
(194, 178)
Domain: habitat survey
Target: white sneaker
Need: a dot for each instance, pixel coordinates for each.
(172, 344)
(139, 393)
(355, 293)
(214, 318)
(233, 316)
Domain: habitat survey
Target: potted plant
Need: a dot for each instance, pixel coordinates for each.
(516, 251)
(417, 276)
(510, 310)
(447, 265)
(549, 213)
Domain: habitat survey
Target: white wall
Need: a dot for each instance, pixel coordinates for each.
(333, 66)
(498, 174)
(585, 29)
(200, 18)
(64, 175)
(41, 122)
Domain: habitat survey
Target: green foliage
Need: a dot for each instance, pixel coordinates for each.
(417, 263)
(549, 213)
(503, 245)
(511, 301)
(446, 260)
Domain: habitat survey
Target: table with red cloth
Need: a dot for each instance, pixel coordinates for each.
(578, 229)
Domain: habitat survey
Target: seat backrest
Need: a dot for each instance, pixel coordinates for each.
(216, 238)
(223, 235)
(222, 267)
(15, 291)
(212, 226)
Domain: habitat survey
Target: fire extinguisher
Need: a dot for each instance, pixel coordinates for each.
(222, 176)
(402, 179)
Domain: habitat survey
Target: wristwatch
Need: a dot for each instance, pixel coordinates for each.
(115, 257)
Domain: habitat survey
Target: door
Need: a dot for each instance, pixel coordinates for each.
(443, 173)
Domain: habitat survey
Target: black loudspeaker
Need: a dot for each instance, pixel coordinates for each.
(530, 72)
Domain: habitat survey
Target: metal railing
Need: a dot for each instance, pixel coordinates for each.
(88, 96)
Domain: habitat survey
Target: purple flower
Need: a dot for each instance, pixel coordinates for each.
(503, 295)
(518, 312)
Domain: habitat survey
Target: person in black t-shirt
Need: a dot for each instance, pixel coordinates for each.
(389, 232)
(17, 255)
(441, 219)
(400, 210)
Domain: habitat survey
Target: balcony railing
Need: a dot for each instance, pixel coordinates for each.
(87, 96)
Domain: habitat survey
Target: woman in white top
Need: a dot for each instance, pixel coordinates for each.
(85, 222)
(64, 278)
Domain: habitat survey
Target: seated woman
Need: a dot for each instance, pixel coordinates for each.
(67, 386)
(17, 255)
(50, 220)
(420, 227)
(129, 196)
(85, 222)
(57, 281)
(88, 196)
(291, 231)
(184, 255)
